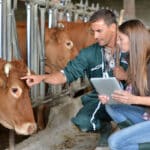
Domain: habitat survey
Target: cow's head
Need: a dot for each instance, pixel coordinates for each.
(59, 48)
(64, 42)
(15, 105)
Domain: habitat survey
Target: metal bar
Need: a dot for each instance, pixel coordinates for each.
(42, 53)
(9, 31)
(40, 2)
(28, 26)
(32, 35)
(15, 3)
(1, 28)
(35, 52)
(29, 8)
(11, 140)
(54, 18)
(50, 15)
(15, 45)
(35, 34)
(4, 36)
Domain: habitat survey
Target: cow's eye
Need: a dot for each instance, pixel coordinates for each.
(69, 44)
(14, 90)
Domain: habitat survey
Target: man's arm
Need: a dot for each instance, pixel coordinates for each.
(54, 78)
(74, 70)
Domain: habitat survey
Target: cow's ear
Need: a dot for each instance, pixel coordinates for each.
(16, 91)
(69, 44)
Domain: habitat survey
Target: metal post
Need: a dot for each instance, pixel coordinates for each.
(9, 30)
(28, 10)
(11, 140)
(35, 47)
(16, 50)
(4, 36)
(15, 3)
(54, 18)
(50, 15)
(42, 53)
(68, 16)
(1, 28)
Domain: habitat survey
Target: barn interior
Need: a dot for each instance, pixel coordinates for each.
(60, 104)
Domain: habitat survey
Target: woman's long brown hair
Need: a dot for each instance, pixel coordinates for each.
(139, 54)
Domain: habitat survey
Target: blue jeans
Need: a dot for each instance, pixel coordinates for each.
(130, 137)
(122, 112)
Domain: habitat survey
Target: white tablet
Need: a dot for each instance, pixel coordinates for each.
(106, 86)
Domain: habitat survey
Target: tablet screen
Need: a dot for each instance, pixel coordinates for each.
(106, 86)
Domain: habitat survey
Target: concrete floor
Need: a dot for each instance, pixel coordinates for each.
(60, 133)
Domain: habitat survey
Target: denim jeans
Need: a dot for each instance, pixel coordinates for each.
(130, 137)
(122, 112)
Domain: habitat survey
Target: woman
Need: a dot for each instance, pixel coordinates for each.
(132, 113)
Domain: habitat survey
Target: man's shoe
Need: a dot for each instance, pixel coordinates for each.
(105, 132)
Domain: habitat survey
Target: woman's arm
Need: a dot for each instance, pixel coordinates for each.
(128, 98)
(120, 73)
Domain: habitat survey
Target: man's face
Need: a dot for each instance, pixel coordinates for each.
(103, 33)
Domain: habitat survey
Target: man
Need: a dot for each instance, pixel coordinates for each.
(97, 60)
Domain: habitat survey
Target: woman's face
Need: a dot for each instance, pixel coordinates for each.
(123, 42)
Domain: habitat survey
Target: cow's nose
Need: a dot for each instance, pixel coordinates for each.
(32, 127)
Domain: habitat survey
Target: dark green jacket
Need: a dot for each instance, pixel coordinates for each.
(89, 62)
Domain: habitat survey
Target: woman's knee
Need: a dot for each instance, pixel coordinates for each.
(114, 142)
(110, 109)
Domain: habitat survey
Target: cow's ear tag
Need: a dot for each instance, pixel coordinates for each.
(60, 25)
(7, 69)
(16, 92)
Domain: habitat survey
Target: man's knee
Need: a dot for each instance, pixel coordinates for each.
(84, 123)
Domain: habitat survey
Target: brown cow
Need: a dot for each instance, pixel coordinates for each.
(59, 49)
(15, 106)
(61, 44)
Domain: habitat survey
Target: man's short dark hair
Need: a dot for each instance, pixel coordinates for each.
(107, 15)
